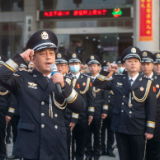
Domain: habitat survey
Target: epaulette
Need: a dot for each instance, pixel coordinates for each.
(87, 75)
(119, 74)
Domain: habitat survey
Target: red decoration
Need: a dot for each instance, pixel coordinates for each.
(146, 20)
(154, 89)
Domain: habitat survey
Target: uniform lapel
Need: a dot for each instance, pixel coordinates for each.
(137, 82)
(50, 88)
(125, 82)
(40, 79)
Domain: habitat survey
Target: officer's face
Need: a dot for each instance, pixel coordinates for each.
(156, 68)
(43, 59)
(132, 65)
(62, 68)
(94, 68)
(147, 68)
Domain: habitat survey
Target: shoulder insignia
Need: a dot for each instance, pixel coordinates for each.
(68, 81)
(16, 74)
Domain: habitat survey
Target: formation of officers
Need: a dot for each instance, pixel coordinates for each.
(122, 97)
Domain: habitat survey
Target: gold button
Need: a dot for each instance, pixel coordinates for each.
(42, 103)
(130, 112)
(42, 114)
(122, 103)
(56, 127)
(122, 110)
(42, 126)
(56, 115)
(124, 96)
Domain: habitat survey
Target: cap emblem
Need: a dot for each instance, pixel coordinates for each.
(133, 50)
(144, 54)
(73, 55)
(59, 55)
(92, 57)
(108, 63)
(158, 55)
(44, 35)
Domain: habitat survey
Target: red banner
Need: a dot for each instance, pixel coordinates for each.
(146, 20)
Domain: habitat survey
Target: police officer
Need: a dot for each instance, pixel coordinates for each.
(83, 85)
(153, 145)
(6, 112)
(94, 63)
(156, 67)
(42, 133)
(135, 105)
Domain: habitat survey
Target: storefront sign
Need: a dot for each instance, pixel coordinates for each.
(95, 13)
(146, 20)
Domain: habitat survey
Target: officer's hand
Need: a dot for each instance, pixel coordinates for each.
(58, 78)
(72, 125)
(7, 119)
(104, 115)
(28, 55)
(90, 118)
(112, 68)
(148, 136)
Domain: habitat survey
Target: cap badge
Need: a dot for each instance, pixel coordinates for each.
(92, 57)
(157, 86)
(108, 63)
(133, 50)
(144, 54)
(158, 55)
(44, 35)
(141, 89)
(73, 55)
(84, 84)
(59, 55)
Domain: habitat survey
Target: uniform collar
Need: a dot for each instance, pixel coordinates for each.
(133, 78)
(77, 75)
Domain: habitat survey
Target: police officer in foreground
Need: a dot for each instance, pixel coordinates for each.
(42, 132)
(135, 105)
(6, 112)
(100, 113)
(83, 86)
(156, 67)
(153, 145)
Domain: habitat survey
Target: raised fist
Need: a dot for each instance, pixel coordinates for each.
(28, 55)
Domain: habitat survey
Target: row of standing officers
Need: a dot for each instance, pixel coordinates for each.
(50, 124)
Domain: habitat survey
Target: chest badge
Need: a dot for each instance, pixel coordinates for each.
(157, 86)
(32, 85)
(78, 86)
(84, 84)
(141, 89)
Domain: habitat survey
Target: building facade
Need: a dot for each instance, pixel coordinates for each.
(110, 25)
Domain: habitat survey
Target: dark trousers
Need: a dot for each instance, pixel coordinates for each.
(79, 136)
(95, 129)
(14, 123)
(110, 134)
(69, 142)
(8, 130)
(131, 147)
(153, 146)
(2, 136)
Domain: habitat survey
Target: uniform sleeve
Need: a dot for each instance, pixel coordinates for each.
(12, 103)
(75, 117)
(90, 101)
(75, 102)
(7, 78)
(102, 81)
(105, 105)
(151, 109)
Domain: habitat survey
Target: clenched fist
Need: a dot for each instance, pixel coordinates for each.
(58, 78)
(28, 55)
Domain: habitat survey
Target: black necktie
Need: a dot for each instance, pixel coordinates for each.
(130, 81)
(47, 78)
